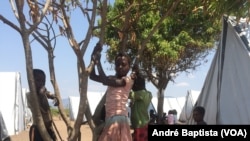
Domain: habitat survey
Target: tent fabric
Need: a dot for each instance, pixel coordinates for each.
(3, 130)
(190, 100)
(27, 111)
(73, 107)
(93, 98)
(11, 102)
(171, 103)
(225, 93)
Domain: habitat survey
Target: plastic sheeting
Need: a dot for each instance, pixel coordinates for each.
(190, 101)
(225, 93)
(171, 103)
(11, 102)
(93, 98)
(3, 130)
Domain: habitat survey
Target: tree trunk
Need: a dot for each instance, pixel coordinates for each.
(37, 117)
(97, 118)
(160, 104)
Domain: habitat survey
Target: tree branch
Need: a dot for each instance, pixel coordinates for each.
(6, 21)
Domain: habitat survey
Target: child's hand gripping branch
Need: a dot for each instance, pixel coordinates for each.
(49, 95)
(96, 54)
(135, 72)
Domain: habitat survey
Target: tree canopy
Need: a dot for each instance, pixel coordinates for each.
(167, 37)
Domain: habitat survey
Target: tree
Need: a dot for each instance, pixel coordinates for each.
(79, 49)
(25, 29)
(167, 38)
(46, 16)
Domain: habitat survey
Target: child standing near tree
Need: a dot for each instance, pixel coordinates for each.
(140, 101)
(43, 95)
(117, 126)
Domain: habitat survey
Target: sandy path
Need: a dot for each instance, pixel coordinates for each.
(85, 131)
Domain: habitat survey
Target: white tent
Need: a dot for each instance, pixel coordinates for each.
(93, 97)
(225, 93)
(171, 103)
(190, 100)
(3, 130)
(27, 110)
(11, 102)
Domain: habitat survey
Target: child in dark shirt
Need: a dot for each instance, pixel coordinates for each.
(43, 96)
(198, 115)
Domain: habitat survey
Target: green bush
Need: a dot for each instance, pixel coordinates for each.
(55, 112)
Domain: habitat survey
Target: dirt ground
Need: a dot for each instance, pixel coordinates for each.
(86, 134)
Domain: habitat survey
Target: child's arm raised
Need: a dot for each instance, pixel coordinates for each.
(113, 81)
(102, 78)
(108, 80)
(95, 57)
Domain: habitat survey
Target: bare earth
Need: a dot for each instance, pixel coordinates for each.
(86, 134)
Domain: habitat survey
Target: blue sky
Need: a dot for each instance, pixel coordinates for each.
(13, 60)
